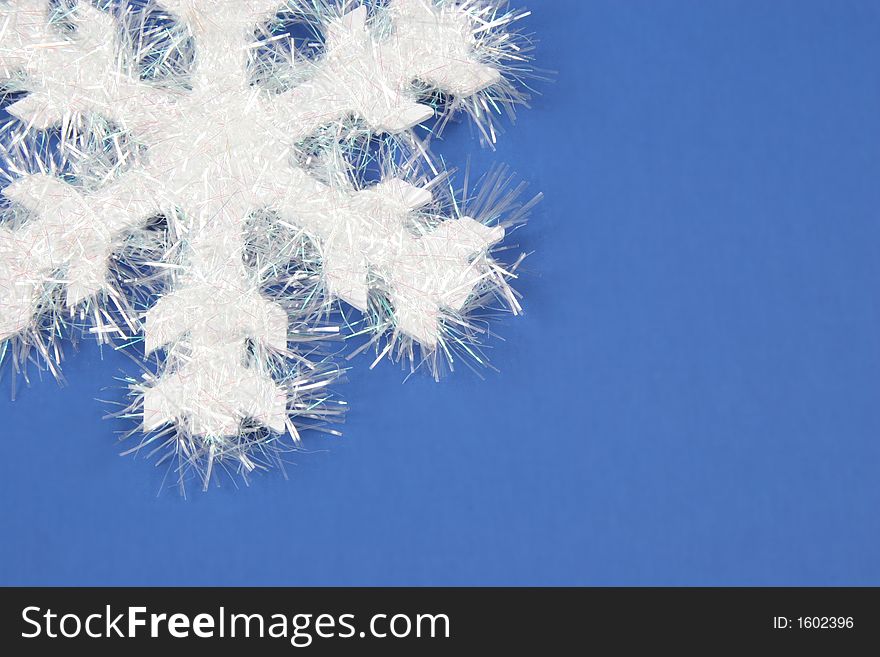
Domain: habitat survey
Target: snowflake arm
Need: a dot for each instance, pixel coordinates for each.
(212, 382)
(69, 73)
(72, 235)
(421, 274)
(377, 234)
(206, 320)
(372, 76)
(443, 263)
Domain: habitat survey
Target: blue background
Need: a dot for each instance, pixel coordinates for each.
(692, 397)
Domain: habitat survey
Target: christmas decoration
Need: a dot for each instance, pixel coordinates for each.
(191, 173)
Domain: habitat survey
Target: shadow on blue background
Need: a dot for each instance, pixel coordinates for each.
(692, 397)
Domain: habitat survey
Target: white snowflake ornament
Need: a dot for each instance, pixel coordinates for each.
(188, 133)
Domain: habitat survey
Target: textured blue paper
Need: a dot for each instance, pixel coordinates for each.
(693, 397)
